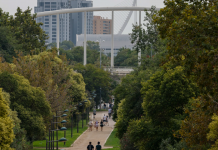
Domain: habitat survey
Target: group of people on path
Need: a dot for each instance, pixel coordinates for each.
(104, 121)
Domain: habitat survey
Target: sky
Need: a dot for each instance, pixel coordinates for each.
(11, 6)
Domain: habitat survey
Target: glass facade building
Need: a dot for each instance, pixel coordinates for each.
(70, 24)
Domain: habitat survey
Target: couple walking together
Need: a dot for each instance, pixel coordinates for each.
(91, 147)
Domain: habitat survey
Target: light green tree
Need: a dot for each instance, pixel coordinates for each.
(6, 124)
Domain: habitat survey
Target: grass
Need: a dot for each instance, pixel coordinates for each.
(113, 141)
(70, 140)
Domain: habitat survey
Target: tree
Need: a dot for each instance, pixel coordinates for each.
(95, 78)
(212, 135)
(6, 124)
(146, 40)
(93, 45)
(19, 141)
(126, 57)
(190, 29)
(27, 32)
(65, 45)
(8, 44)
(166, 94)
(29, 102)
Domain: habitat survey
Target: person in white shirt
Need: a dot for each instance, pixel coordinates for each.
(104, 119)
(90, 125)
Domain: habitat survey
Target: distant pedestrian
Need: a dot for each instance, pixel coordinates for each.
(107, 121)
(94, 112)
(109, 112)
(104, 106)
(104, 118)
(101, 124)
(96, 125)
(90, 125)
(90, 146)
(98, 147)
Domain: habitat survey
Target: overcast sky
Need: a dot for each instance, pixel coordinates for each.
(11, 6)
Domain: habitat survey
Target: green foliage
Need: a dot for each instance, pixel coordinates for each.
(65, 45)
(29, 102)
(169, 145)
(93, 45)
(19, 142)
(95, 78)
(213, 134)
(27, 32)
(146, 40)
(190, 29)
(6, 124)
(75, 56)
(126, 144)
(164, 88)
(8, 44)
(126, 57)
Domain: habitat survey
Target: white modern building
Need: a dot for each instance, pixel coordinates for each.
(70, 23)
(120, 41)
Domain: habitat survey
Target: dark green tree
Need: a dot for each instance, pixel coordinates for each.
(8, 44)
(27, 32)
(95, 78)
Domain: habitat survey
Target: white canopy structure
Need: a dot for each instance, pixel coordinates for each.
(90, 9)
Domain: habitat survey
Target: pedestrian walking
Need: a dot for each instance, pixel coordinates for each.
(98, 147)
(90, 125)
(104, 106)
(90, 146)
(104, 119)
(109, 112)
(96, 125)
(107, 121)
(101, 124)
(94, 112)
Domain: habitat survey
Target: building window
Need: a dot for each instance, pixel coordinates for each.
(47, 9)
(53, 22)
(46, 19)
(46, 22)
(47, 6)
(104, 21)
(53, 29)
(53, 35)
(53, 19)
(46, 25)
(53, 38)
(47, 2)
(53, 32)
(53, 2)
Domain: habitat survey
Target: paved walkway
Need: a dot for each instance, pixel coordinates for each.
(94, 136)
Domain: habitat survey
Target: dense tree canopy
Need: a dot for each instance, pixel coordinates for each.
(26, 31)
(95, 78)
(29, 102)
(6, 124)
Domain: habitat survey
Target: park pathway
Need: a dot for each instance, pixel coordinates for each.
(94, 136)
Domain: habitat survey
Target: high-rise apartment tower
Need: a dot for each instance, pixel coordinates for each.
(70, 24)
(101, 25)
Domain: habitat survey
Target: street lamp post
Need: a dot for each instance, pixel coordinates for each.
(100, 65)
(51, 140)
